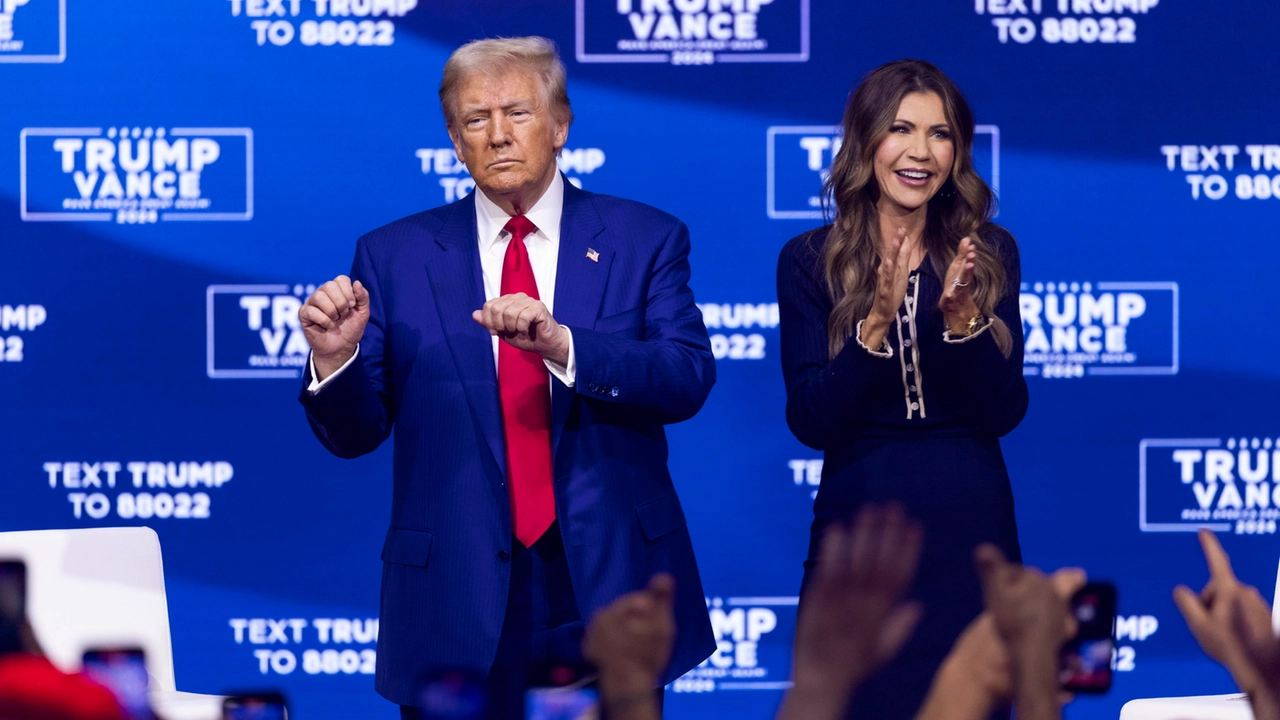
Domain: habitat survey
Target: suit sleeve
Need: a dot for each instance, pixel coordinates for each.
(824, 394)
(352, 415)
(993, 384)
(670, 372)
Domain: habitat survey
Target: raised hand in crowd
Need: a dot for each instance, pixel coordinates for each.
(630, 642)
(1033, 619)
(1232, 623)
(854, 618)
(891, 290)
(977, 677)
(333, 321)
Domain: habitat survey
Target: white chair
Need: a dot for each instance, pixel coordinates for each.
(1234, 706)
(104, 587)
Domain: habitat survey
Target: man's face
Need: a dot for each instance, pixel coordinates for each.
(505, 132)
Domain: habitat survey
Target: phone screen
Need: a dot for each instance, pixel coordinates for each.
(13, 603)
(123, 671)
(454, 695)
(263, 706)
(1086, 660)
(562, 692)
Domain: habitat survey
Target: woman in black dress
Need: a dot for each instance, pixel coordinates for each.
(902, 352)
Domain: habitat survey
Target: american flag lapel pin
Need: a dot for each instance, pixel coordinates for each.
(592, 255)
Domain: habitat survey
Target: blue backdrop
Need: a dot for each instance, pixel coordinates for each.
(175, 177)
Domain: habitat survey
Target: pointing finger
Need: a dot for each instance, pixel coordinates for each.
(1190, 607)
(1219, 562)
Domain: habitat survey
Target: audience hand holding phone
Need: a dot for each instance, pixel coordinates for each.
(1033, 619)
(854, 618)
(976, 677)
(1232, 623)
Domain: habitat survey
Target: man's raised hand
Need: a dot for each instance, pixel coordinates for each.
(333, 320)
(525, 323)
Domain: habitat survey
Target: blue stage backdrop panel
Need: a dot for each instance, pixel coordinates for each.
(178, 176)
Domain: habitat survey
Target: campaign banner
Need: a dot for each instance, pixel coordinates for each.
(33, 31)
(136, 175)
(253, 331)
(692, 32)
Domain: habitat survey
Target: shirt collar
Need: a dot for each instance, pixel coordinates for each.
(545, 215)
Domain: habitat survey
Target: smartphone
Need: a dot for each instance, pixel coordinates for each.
(255, 706)
(123, 671)
(1086, 659)
(454, 695)
(13, 604)
(562, 692)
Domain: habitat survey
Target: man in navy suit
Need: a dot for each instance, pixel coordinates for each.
(528, 343)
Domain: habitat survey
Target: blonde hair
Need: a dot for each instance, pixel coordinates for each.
(500, 55)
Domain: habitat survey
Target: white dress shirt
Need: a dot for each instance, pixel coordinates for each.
(544, 251)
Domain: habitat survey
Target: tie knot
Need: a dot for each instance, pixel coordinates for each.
(520, 227)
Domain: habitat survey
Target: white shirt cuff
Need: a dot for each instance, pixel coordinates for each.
(317, 385)
(885, 351)
(567, 373)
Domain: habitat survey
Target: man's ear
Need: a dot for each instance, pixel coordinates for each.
(457, 146)
(562, 135)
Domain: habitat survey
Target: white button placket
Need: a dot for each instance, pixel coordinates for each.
(912, 378)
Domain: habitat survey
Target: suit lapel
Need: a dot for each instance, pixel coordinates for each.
(580, 284)
(458, 288)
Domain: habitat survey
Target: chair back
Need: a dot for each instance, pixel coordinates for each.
(1275, 606)
(96, 587)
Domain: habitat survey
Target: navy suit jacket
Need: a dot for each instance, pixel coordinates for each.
(427, 369)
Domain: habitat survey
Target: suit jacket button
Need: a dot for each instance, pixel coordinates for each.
(504, 556)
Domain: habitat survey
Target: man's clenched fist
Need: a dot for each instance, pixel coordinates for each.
(525, 323)
(333, 320)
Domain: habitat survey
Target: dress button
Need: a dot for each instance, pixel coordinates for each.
(906, 343)
(913, 388)
(915, 406)
(911, 279)
(911, 368)
(504, 556)
(906, 318)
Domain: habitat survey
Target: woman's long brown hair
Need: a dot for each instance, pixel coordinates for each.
(962, 207)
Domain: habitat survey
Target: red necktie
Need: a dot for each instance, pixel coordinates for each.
(523, 383)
